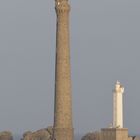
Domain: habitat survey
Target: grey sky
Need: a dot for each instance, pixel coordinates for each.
(105, 47)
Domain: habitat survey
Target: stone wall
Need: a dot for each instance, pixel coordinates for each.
(6, 135)
(42, 134)
(92, 136)
(109, 134)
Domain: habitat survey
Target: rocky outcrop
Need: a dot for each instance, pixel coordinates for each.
(6, 135)
(42, 134)
(92, 136)
(136, 138)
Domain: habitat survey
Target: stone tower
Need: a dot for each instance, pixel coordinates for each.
(63, 128)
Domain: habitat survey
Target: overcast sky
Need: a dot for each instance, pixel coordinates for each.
(105, 47)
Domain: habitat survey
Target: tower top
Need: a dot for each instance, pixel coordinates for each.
(117, 83)
(60, 1)
(119, 87)
(62, 6)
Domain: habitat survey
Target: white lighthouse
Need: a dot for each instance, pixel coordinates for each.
(118, 106)
(116, 131)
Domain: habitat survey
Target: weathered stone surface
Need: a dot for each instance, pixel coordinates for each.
(114, 134)
(92, 136)
(110, 134)
(136, 138)
(6, 135)
(50, 130)
(42, 134)
(63, 127)
(27, 133)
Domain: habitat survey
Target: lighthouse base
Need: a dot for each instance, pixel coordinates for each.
(114, 134)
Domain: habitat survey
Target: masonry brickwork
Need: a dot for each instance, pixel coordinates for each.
(114, 134)
(63, 128)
